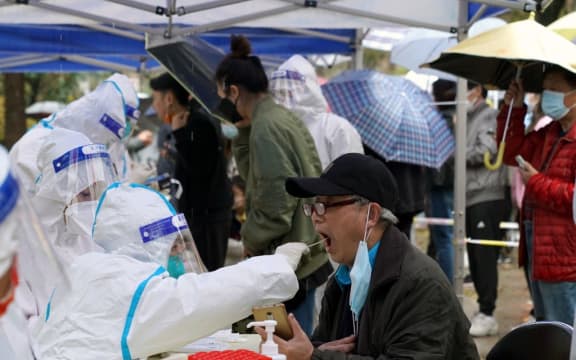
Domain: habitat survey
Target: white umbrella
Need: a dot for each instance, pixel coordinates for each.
(44, 107)
(421, 46)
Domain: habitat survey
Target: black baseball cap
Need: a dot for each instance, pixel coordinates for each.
(350, 174)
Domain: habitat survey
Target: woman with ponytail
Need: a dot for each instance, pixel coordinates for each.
(272, 145)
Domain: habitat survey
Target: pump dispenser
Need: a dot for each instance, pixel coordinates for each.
(269, 348)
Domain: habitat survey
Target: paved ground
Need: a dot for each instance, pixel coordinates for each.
(513, 304)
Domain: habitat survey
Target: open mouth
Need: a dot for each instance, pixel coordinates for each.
(327, 240)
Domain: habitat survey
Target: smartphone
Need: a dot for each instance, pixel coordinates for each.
(275, 312)
(521, 162)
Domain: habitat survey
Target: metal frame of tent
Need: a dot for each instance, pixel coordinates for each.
(363, 16)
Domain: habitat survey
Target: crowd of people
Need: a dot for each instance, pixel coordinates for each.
(122, 271)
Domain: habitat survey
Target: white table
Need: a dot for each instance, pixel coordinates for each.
(245, 341)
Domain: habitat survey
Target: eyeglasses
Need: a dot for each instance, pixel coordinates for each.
(320, 208)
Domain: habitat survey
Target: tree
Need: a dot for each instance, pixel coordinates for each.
(15, 119)
(21, 90)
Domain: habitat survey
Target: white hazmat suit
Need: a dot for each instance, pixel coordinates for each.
(123, 304)
(295, 86)
(17, 218)
(73, 174)
(105, 115)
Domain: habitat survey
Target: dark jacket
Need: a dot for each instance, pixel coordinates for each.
(201, 167)
(411, 311)
(443, 178)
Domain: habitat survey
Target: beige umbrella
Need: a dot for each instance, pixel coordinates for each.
(518, 50)
(565, 26)
(492, 58)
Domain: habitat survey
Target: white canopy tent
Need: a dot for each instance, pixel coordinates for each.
(132, 18)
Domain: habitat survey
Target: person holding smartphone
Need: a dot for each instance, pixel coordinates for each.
(387, 299)
(548, 168)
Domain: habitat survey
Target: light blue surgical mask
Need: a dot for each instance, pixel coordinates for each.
(553, 104)
(229, 131)
(360, 275)
(175, 266)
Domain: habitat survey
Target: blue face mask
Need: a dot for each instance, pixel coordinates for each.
(360, 274)
(229, 131)
(175, 267)
(553, 104)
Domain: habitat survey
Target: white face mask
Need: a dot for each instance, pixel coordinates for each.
(79, 217)
(471, 104)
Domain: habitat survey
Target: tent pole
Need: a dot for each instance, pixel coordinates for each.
(183, 10)
(460, 167)
(233, 21)
(526, 5)
(108, 29)
(478, 14)
(318, 34)
(36, 59)
(99, 63)
(390, 19)
(100, 19)
(358, 59)
(137, 5)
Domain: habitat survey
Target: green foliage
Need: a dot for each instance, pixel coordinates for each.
(61, 87)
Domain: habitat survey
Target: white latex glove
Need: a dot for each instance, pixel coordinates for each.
(140, 172)
(292, 252)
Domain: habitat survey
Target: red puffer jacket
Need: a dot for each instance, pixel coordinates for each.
(549, 194)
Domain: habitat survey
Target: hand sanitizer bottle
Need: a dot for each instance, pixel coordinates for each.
(269, 348)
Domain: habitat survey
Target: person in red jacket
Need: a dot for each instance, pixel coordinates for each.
(548, 242)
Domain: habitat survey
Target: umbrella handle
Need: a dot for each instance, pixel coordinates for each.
(499, 158)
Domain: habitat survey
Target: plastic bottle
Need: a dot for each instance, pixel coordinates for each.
(269, 348)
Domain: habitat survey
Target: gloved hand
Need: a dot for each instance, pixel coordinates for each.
(293, 252)
(140, 172)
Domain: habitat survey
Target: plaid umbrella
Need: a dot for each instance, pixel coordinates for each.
(394, 117)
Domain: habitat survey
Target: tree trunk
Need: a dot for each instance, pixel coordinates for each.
(14, 107)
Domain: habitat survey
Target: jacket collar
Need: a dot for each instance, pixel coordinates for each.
(265, 102)
(388, 265)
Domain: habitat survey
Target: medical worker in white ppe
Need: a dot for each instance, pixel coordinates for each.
(295, 86)
(74, 172)
(16, 217)
(123, 303)
(106, 116)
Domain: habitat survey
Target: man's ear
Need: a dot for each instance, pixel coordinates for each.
(375, 213)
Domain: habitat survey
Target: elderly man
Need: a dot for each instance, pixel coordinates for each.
(387, 300)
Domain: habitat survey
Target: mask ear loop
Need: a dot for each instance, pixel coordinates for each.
(366, 230)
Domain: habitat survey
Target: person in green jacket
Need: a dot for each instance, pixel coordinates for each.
(272, 145)
(387, 299)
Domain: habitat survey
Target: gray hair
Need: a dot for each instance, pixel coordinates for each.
(385, 215)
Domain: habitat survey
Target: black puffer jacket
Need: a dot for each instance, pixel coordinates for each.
(411, 311)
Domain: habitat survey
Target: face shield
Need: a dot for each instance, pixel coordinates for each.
(21, 231)
(301, 95)
(172, 231)
(76, 179)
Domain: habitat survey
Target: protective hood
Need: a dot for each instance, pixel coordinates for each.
(71, 164)
(102, 114)
(22, 232)
(295, 86)
(136, 221)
